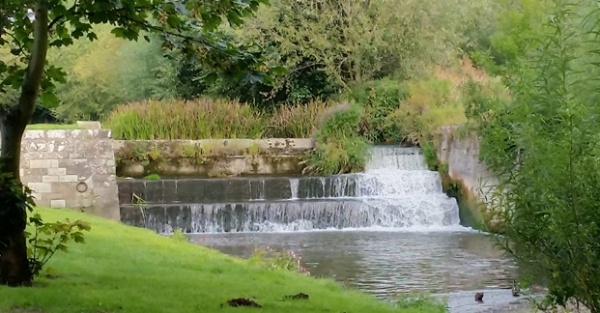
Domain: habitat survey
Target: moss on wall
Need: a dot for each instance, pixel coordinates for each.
(210, 158)
(470, 210)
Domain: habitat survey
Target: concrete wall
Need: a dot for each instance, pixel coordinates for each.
(211, 157)
(462, 157)
(71, 168)
(461, 154)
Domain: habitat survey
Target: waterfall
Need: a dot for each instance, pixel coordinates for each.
(396, 192)
(396, 178)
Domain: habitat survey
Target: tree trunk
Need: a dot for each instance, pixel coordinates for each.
(14, 264)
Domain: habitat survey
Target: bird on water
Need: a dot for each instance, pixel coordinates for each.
(515, 289)
(479, 297)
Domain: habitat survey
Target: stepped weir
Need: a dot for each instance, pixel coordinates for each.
(396, 191)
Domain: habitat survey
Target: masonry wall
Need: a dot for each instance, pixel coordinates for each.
(71, 168)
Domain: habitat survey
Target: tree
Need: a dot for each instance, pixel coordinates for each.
(184, 25)
(545, 149)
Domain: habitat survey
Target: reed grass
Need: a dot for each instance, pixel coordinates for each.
(177, 119)
(216, 119)
(432, 102)
(298, 121)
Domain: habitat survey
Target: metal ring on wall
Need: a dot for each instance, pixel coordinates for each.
(82, 187)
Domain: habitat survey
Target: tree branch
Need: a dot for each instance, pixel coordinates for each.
(18, 43)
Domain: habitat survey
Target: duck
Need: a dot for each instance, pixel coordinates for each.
(479, 297)
(515, 289)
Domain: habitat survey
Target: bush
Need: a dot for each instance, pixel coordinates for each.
(432, 102)
(48, 238)
(285, 260)
(192, 120)
(178, 235)
(547, 190)
(379, 98)
(338, 146)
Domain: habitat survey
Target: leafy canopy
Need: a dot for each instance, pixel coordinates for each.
(189, 26)
(544, 147)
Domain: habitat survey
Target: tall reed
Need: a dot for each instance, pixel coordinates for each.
(296, 121)
(177, 119)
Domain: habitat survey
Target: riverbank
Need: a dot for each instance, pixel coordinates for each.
(127, 269)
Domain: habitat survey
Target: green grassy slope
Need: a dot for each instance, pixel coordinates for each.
(125, 269)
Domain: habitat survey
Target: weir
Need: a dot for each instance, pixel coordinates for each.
(396, 191)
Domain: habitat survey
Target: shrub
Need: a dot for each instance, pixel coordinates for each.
(178, 235)
(48, 238)
(338, 146)
(177, 119)
(431, 103)
(297, 121)
(285, 260)
(379, 98)
(547, 189)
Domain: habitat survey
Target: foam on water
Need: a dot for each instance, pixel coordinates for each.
(397, 177)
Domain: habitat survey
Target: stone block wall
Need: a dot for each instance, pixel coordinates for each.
(71, 168)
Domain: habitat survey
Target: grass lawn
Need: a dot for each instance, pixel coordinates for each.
(52, 126)
(126, 269)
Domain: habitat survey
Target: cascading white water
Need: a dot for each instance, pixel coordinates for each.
(398, 183)
(396, 191)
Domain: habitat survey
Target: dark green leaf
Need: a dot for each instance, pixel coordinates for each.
(49, 100)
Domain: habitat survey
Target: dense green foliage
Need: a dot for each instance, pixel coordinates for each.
(544, 145)
(328, 49)
(131, 270)
(378, 54)
(339, 148)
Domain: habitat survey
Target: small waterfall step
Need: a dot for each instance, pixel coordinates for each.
(286, 215)
(395, 191)
(203, 190)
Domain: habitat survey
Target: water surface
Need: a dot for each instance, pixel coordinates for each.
(385, 263)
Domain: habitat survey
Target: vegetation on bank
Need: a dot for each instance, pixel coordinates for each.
(374, 112)
(374, 54)
(127, 269)
(52, 126)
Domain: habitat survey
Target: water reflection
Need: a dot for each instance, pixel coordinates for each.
(386, 263)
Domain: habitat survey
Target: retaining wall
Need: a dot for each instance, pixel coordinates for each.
(71, 168)
(211, 157)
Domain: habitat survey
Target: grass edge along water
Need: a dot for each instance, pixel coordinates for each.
(129, 270)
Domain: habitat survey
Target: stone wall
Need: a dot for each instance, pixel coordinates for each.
(211, 157)
(71, 168)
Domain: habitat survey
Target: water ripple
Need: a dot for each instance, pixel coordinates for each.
(386, 263)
